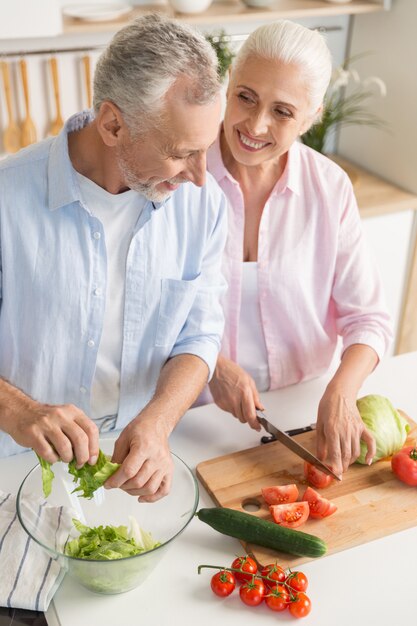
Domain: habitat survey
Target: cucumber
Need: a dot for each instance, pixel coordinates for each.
(262, 532)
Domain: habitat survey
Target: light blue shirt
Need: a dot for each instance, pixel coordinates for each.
(53, 282)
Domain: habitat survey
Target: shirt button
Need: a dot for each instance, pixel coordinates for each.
(90, 343)
(97, 292)
(96, 235)
(83, 389)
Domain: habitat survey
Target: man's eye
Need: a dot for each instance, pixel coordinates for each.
(177, 158)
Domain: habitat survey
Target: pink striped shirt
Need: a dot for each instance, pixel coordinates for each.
(316, 279)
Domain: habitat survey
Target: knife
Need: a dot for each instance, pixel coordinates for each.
(292, 445)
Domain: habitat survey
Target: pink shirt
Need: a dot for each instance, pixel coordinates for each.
(316, 279)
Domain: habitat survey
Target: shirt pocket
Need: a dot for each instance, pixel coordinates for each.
(177, 297)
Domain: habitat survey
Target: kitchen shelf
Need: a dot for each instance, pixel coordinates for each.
(234, 11)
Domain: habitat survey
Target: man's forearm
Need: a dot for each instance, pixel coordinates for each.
(180, 382)
(12, 402)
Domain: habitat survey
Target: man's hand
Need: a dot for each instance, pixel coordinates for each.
(55, 432)
(235, 391)
(146, 463)
(340, 430)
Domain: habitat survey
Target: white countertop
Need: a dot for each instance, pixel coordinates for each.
(372, 583)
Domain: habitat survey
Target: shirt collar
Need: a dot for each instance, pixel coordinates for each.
(63, 187)
(290, 178)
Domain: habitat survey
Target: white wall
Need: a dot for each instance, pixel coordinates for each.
(391, 37)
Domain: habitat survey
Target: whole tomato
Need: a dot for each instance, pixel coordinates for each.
(300, 605)
(252, 592)
(404, 465)
(246, 564)
(297, 581)
(223, 583)
(277, 598)
(275, 572)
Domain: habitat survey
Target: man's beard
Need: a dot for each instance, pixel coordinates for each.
(148, 190)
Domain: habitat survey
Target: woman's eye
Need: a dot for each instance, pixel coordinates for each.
(283, 112)
(245, 98)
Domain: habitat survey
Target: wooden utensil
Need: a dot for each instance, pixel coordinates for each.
(87, 78)
(371, 502)
(28, 128)
(11, 135)
(58, 122)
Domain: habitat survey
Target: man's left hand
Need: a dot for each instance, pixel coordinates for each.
(146, 463)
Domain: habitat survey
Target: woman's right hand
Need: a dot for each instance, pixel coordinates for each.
(233, 390)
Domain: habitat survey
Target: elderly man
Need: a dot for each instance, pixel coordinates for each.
(110, 252)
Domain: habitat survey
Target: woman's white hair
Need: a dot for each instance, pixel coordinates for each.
(289, 42)
(144, 59)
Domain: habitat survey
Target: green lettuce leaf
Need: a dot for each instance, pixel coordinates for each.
(90, 477)
(47, 476)
(385, 423)
(106, 543)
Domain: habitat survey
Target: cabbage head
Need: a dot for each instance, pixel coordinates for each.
(385, 423)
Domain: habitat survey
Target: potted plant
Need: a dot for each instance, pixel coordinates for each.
(221, 44)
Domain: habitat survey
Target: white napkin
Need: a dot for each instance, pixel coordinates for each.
(29, 577)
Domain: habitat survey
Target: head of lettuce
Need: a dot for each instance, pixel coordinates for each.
(387, 426)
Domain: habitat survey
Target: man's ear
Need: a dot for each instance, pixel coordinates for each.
(110, 123)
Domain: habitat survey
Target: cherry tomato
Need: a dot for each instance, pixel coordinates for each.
(275, 572)
(315, 477)
(246, 564)
(404, 465)
(300, 605)
(223, 583)
(297, 581)
(252, 592)
(277, 598)
(280, 494)
(290, 515)
(319, 506)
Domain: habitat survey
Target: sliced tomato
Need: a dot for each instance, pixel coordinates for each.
(290, 515)
(315, 477)
(280, 494)
(319, 506)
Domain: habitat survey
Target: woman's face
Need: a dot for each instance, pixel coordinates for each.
(267, 109)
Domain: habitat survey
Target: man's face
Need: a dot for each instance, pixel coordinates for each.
(158, 161)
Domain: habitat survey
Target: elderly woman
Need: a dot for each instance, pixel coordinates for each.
(298, 270)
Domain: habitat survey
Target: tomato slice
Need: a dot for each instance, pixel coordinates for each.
(319, 506)
(280, 494)
(290, 515)
(315, 477)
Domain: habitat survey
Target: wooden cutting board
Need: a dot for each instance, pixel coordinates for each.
(371, 502)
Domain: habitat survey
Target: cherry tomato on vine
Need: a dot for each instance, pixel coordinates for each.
(246, 564)
(275, 572)
(223, 583)
(300, 605)
(297, 581)
(404, 465)
(252, 592)
(277, 598)
(315, 477)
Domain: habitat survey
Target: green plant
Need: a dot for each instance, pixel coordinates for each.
(220, 43)
(345, 105)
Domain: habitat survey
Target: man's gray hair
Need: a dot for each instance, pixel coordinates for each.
(292, 43)
(142, 62)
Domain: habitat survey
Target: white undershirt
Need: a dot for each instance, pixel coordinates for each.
(118, 213)
(252, 354)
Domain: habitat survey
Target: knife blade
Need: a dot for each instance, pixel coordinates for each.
(294, 446)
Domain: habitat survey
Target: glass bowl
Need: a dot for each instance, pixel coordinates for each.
(49, 522)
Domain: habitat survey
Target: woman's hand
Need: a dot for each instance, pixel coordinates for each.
(235, 391)
(340, 430)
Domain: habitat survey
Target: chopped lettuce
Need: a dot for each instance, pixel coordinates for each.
(90, 477)
(47, 476)
(107, 543)
(385, 423)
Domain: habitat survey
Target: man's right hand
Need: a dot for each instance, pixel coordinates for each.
(53, 431)
(235, 391)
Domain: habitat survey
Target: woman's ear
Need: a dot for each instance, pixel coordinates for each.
(311, 120)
